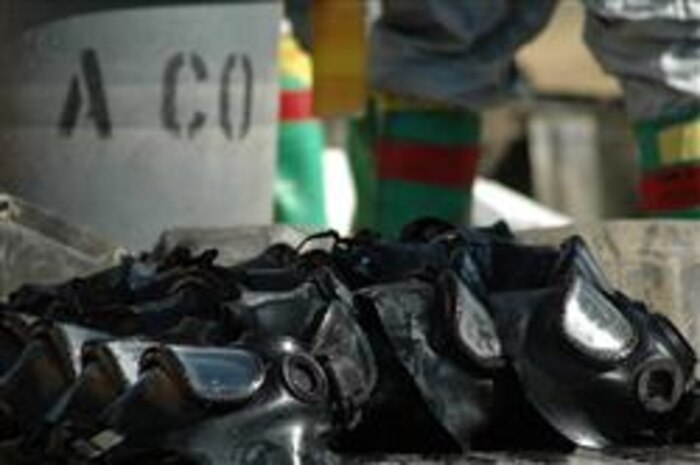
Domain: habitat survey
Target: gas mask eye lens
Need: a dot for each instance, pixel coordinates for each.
(595, 326)
(221, 375)
(474, 327)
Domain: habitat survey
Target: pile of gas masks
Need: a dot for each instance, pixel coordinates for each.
(445, 340)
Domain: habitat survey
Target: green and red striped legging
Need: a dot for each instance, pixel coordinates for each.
(425, 164)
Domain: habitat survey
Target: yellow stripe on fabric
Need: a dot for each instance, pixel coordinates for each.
(294, 62)
(680, 144)
(340, 57)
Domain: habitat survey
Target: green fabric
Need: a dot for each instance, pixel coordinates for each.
(685, 214)
(288, 82)
(299, 188)
(361, 138)
(439, 127)
(647, 135)
(400, 202)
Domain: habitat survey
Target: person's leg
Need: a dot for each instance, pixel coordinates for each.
(299, 186)
(653, 46)
(434, 65)
(425, 162)
(360, 148)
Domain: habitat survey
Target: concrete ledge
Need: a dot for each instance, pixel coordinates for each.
(37, 247)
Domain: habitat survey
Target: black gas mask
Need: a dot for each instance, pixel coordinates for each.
(598, 366)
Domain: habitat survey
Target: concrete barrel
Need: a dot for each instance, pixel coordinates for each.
(137, 116)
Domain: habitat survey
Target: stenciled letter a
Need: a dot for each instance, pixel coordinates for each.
(86, 86)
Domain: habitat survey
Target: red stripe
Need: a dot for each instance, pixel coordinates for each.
(428, 164)
(671, 189)
(296, 105)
